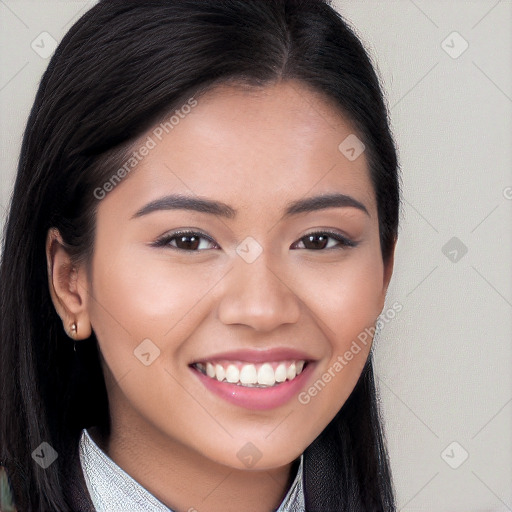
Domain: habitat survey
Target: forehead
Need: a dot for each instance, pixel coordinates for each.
(252, 147)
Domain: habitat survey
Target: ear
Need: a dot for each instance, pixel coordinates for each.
(69, 288)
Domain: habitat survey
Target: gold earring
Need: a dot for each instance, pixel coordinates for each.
(73, 333)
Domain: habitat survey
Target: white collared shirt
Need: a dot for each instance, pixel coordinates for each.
(113, 490)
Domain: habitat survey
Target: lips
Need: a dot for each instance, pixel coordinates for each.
(265, 374)
(255, 379)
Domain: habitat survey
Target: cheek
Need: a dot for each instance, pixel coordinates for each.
(138, 296)
(346, 300)
(147, 291)
(345, 295)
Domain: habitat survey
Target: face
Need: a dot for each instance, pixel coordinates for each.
(265, 287)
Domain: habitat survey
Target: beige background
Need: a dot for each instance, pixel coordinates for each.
(444, 362)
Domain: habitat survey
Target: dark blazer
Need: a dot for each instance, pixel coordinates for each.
(75, 488)
(316, 488)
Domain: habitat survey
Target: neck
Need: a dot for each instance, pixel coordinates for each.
(186, 481)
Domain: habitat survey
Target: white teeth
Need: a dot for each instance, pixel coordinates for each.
(248, 374)
(280, 373)
(210, 370)
(266, 375)
(252, 375)
(232, 374)
(291, 372)
(219, 372)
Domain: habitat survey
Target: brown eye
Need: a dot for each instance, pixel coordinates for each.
(321, 240)
(185, 241)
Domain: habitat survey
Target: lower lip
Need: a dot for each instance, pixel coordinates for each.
(257, 398)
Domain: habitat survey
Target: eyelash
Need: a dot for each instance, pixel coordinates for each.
(165, 240)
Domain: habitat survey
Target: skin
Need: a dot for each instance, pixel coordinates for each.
(255, 150)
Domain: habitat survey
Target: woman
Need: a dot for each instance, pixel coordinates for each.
(199, 244)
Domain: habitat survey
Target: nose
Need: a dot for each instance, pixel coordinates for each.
(258, 296)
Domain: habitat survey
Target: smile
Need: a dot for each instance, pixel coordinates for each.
(261, 375)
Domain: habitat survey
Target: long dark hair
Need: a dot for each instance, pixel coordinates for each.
(122, 67)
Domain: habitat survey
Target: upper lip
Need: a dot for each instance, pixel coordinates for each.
(258, 356)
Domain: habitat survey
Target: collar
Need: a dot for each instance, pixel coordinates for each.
(112, 489)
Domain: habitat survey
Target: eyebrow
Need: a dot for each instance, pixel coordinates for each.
(220, 209)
